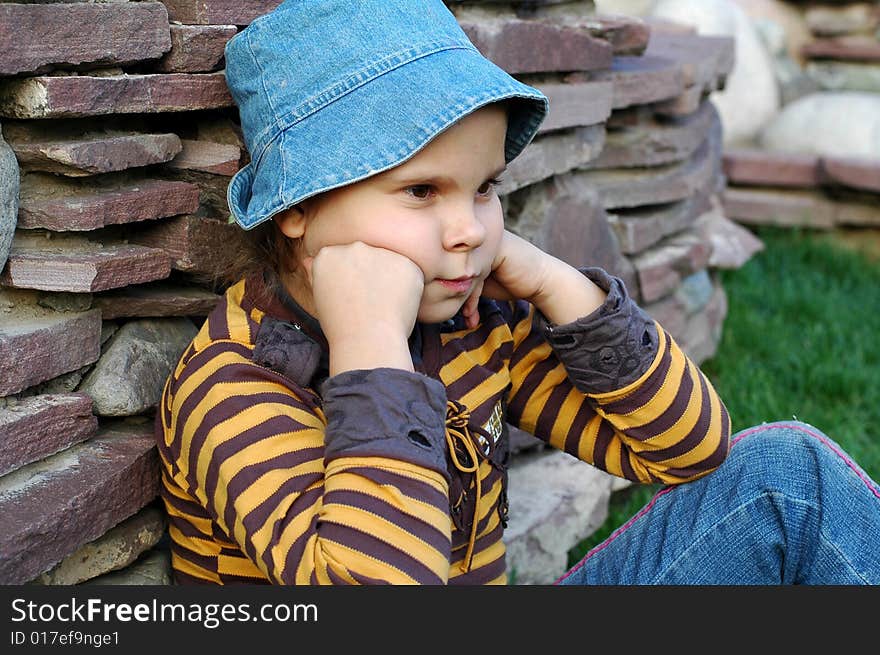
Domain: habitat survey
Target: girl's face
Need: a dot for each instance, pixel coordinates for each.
(439, 209)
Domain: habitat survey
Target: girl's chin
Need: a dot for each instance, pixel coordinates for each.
(439, 312)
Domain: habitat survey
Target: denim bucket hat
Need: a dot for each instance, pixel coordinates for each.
(334, 91)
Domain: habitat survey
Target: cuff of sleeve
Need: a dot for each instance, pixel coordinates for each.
(610, 348)
(386, 412)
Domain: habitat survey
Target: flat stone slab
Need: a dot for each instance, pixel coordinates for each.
(628, 35)
(662, 268)
(65, 205)
(754, 206)
(854, 172)
(193, 243)
(706, 61)
(622, 187)
(651, 142)
(95, 154)
(52, 507)
(758, 167)
(553, 154)
(520, 46)
(157, 299)
(84, 95)
(39, 426)
(207, 157)
(218, 12)
(701, 66)
(639, 228)
(82, 268)
(687, 103)
(643, 80)
(37, 37)
(196, 48)
(576, 104)
(693, 314)
(112, 551)
(36, 346)
(847, 48)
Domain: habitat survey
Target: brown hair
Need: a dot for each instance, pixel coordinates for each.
(263, 250)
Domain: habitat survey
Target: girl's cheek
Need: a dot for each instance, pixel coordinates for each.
(493, 244)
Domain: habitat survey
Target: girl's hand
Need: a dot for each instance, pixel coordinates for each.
(367, 300)
(521, 270)
(518, 271)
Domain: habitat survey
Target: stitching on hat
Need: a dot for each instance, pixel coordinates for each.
(256, 61)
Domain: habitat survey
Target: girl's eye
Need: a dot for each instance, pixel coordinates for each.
(424, 191)
(487, 186)
(420, 191)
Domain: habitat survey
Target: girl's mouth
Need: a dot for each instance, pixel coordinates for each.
(459, 285)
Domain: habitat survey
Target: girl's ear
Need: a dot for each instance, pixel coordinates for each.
(291, 222)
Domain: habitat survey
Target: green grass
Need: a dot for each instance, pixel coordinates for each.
(801, 340)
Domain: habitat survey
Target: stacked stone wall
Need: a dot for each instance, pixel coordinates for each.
(119, 138)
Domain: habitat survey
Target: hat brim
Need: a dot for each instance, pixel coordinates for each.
(377, 126)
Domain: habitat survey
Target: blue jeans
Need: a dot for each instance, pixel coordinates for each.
(788, 506)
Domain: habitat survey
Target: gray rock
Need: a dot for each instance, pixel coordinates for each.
(695, 291)
(154, 568)
(116, 549)
(556, 501)
(828, 123)
(66, 302)
(9, 185)
(64, 383)
(732, 244)
(845, 76)
(129, 377)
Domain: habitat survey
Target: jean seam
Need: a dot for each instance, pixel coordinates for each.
(804, 428)
(843, 558)
(705, 533)
(614, 535)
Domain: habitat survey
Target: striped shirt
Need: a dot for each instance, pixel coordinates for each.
(274, 473)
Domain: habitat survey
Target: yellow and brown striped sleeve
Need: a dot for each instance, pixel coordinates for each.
(252, 450)
(615, 389)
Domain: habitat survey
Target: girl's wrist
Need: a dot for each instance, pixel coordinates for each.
(366, 352)
(567, 295)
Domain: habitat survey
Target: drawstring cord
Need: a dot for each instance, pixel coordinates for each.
(458, 431)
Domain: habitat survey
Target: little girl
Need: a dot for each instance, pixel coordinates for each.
(341, 416)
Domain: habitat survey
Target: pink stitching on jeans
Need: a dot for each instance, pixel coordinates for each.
(800, 427)
(794, 426)
(614, 534)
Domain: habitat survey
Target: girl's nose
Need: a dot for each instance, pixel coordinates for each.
(463, 230)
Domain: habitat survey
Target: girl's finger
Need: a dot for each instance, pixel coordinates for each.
(492, 289)
(469, 309)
